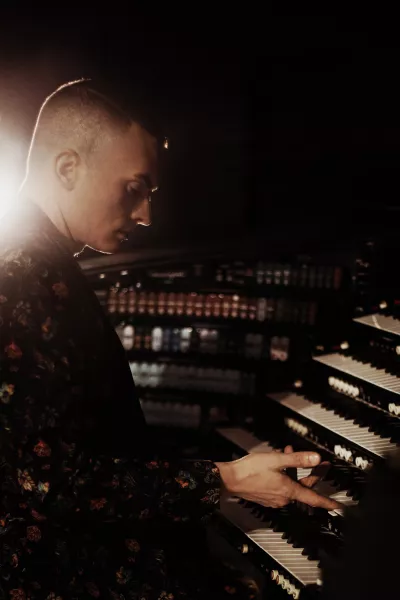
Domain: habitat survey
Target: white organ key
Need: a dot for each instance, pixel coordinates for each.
(245, 440)
(326, 488)
(343, 498)
(366, 372)
(301, 472)
(300, 567)
(328, 419)
(381, 322)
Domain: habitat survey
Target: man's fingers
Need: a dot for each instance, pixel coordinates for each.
(295, 460)
(310, 481)
(316, 475)
(307, 496)
(291, 472)
(286, 450)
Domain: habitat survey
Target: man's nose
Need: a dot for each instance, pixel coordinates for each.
(142, 214)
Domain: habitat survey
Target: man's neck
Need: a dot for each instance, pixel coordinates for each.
(55, 214)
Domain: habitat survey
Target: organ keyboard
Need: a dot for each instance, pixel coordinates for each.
(321, 424)
(282, 543)
(244, 440)
(348, 411)
(288, 564)
(378, 337)
(362, 381)
(383, 323)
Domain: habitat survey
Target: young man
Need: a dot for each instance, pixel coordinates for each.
(83, 501)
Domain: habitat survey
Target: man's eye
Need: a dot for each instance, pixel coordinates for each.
(133, 190)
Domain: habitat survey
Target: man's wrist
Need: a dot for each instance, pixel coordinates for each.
(227, 474)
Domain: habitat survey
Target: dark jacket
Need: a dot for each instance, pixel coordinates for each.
(81, 498)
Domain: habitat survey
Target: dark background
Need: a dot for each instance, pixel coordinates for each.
(279, 125)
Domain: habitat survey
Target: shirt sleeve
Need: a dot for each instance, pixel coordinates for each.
(52, 472)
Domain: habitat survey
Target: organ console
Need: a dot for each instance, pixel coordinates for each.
(265, 352)
(347, 409)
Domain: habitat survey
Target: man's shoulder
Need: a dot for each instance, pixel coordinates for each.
(16, 254)
(21, 259)
(28, 269)
(24, 242)
(23, 249)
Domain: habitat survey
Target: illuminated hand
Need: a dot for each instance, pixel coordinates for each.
(260, 478)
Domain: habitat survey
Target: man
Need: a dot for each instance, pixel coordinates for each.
(84, 503)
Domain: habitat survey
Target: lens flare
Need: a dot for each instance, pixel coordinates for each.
(12, 166)
(9, 184)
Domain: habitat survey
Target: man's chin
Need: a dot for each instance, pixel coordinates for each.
(109, 246)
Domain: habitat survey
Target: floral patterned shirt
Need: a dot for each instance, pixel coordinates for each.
(83, 502)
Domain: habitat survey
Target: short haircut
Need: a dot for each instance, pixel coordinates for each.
(81, 110)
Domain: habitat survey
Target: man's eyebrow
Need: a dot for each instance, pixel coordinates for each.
(146, 178)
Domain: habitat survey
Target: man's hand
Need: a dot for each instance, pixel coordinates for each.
(317, 474)
(259, 478)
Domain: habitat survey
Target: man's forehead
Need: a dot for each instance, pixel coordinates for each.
(142, 139)
(142, 154)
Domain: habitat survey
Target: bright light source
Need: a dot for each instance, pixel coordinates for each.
(12, 167)
(9, 184)
(166, 143)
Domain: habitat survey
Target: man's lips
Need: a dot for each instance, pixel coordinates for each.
(122, 235)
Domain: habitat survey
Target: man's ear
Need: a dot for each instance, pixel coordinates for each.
(67, 165)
